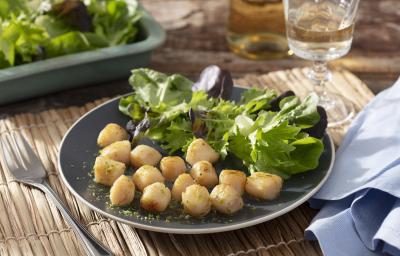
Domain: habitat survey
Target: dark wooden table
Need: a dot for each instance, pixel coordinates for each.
(196, 38)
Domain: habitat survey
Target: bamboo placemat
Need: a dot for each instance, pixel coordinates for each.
(31, 225)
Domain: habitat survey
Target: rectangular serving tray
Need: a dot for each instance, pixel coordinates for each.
(74, 70)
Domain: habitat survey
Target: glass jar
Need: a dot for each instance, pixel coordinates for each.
(256, 29)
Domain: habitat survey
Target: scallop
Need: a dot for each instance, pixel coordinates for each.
(106, 171)
(122, 191)
(172, 166)
(204, 174)
(264, 185)
(110, 134)
(146, 175)
(226, 199)
(118, 151)
(199, 150)
(234, 178)
(181, 183)
(156, 197)
(144, 155)
(196, 200)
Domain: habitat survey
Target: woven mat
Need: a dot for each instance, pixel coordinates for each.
(31, 225)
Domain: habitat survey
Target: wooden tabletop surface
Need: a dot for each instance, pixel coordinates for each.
(196, 38)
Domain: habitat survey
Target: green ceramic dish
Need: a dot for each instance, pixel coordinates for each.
(78, 151)
(69, 71)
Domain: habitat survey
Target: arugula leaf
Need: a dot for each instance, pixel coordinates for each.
(302, 114)
(255, 100)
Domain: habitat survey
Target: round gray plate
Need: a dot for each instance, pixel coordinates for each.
(78, 151)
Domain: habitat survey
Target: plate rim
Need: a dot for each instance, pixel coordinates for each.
(228, 227)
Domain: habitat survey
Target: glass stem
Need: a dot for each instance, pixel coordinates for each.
(320, 74)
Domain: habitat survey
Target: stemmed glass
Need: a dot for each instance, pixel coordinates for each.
(320, 31)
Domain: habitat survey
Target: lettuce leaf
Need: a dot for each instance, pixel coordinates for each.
(13, 7)
(159, 91)
(21, 41)
(115, 20)
(71, 42)
(130, 107)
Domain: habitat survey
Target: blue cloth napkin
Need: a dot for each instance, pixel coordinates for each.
(360, 202)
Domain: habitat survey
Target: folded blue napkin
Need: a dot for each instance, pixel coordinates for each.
(360, 202)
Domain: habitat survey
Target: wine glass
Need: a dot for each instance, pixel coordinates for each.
(322, 30)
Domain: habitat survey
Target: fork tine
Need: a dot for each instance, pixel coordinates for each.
(24, 149)
(20, 159)
(17, 148)
(8, 154)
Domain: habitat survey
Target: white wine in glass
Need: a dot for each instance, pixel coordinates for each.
(322, 30)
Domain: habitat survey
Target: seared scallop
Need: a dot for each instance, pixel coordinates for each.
(156, 197)
(147, 175)
(122, 191)
(144, 155)
(106, 171)
(110, 134)
(234, 178)
(226, 199)
(199, 150)
(196, 200)
(204, 174)
(264, 185)
(118, 151)
(172, 166)
(181, 183)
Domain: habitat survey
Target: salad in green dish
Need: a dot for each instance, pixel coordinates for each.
(32, 30)
(272, 133)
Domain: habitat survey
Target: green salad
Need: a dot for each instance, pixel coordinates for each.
(268, 132)
(32, 30)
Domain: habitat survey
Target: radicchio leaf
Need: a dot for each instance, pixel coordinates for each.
(216, 82)
(318, 130)
(74, 13)
(135, 129)
(199, 128)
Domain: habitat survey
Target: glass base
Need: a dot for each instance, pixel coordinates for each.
(338, 109)
(258, 46)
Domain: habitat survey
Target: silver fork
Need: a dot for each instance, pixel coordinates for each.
(28, 169)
